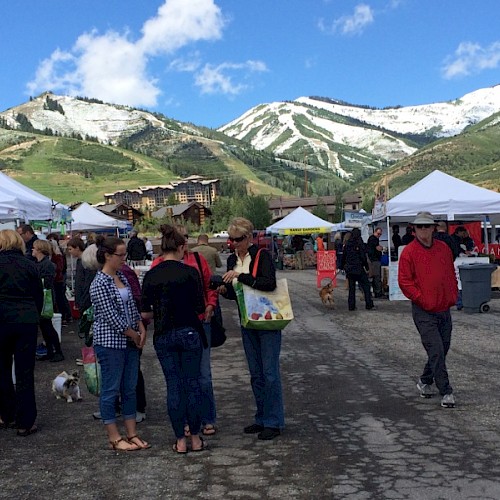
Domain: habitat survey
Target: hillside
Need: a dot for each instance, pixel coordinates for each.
(473, 156)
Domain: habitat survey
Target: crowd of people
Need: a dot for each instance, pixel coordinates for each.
(178, 293)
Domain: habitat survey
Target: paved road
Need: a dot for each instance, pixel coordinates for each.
(356, 428)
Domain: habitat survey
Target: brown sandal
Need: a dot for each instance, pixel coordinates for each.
(209, 430)
(143, 445)
(115, 445)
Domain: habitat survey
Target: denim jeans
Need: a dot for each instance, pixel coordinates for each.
(119, 371)
(208, 411)
(179, 352)
(435, 332)
(18, 405)
(262, 350)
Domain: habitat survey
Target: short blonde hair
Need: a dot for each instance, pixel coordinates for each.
(240, 226)
(89, 258)
(43, 246)
(11, 240)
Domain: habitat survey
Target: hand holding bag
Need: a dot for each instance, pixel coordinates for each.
(264, 310)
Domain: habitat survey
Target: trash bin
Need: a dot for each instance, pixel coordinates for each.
(476, 286)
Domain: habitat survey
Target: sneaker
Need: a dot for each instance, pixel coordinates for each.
(448, 401)
(425, 389)
(140, 416)
(41, 350)
(269, 433)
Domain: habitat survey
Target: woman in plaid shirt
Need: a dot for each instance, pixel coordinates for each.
(118, 335)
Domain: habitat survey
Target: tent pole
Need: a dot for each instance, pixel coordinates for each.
(485, 224)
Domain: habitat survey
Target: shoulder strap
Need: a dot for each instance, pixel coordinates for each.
(198, 262)
(256, 263)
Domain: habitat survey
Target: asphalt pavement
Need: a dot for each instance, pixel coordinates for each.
(356, 427)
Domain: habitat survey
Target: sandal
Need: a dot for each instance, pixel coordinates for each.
(209, 430)
(27, 432)
(174, 447)
(115, 445)
(143, 445)
(204, 446)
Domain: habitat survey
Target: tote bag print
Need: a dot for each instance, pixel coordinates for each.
(264, 310)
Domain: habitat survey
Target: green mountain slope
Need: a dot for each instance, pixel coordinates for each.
(473, 156)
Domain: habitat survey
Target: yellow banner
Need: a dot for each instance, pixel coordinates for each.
(306, 230)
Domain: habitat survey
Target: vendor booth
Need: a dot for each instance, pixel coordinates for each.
(301, 222)
(87, 218)
(446, 198)
(21, 204)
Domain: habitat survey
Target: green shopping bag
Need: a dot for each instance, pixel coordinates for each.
(264, 310)
(91, 371)
(48, 305)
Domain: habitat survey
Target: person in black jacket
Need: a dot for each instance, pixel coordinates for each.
(29, 237)
(355, 265)
(262, 348)
(42, 250)
(21, 300)
(441, 234)
(374, 251)
(136, 248)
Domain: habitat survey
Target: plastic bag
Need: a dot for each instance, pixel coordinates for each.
(48, 305)
(91, 371)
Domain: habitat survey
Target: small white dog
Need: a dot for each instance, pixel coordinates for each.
(67, 386)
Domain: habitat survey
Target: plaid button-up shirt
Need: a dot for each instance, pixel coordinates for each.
(110, 318)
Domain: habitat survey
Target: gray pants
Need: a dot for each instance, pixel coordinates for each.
(435, 332)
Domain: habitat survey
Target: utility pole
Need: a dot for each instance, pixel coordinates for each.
(305, 176)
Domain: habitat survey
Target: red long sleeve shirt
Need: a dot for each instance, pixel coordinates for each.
(427, 275)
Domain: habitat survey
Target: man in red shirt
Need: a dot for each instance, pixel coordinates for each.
(427, 278)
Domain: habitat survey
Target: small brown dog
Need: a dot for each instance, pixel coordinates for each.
(326, 294)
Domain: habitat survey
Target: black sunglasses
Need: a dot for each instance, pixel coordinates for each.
(239, 239)
(423, 226)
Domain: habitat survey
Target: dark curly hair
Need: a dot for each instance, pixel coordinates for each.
(106, 245)
(171, 238)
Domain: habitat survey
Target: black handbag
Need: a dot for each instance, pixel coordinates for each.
(218, 333)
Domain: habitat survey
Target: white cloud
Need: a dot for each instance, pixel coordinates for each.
(354, 24)
(114, 67)
(217, 79)
(470, 58)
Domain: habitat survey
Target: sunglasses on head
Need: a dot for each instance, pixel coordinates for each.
(423, 226)
(239, 239)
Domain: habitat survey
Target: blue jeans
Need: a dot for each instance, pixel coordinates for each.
(119, 371)
(262, 349)
(179, 352)
(208, 411)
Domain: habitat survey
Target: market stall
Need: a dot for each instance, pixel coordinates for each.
(446, 198)
(19, 203)
(302, 222)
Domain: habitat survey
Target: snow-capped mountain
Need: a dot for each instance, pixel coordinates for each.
(344, 136)
(70, 116)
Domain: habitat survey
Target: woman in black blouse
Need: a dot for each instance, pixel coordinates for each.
(21, 299)
(172, 294)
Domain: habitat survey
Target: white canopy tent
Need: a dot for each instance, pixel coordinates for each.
(445, 197)
(300, 221)
(19, 202)
(87, 218)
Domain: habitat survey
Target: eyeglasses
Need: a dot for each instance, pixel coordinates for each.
(239, 239)
(423, 226)
(120, 254)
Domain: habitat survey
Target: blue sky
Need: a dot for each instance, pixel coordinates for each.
(209, 61)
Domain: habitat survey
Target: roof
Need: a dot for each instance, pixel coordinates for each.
(177, 210)
(300, 202)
